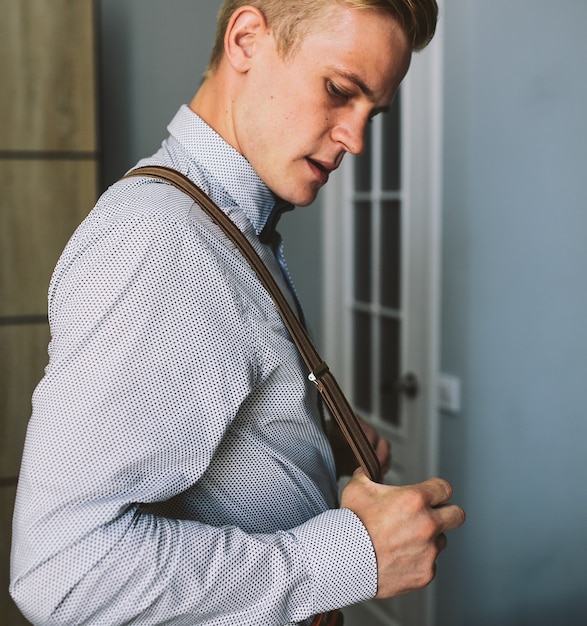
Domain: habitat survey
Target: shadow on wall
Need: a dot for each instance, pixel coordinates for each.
(153, 56)
(114, 89)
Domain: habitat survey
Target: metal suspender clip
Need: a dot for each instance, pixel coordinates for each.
(316, 374)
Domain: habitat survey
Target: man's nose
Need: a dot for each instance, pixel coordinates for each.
(350, 133)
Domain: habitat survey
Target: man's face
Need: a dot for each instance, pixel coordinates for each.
(295, 118)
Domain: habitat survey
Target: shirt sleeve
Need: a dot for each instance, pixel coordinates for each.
(125, 417)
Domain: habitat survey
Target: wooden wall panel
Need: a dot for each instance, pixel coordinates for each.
(41, 204)
(23, 356)
(48, 76)
(48, 183)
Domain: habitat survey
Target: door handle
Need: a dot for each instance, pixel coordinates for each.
(408, 385)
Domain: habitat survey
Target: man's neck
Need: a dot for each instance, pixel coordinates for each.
(212, 103)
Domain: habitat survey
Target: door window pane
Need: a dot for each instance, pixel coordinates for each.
(391, 170)
(362, 253)
(362, 361)
(390, 370)
(363, 166)
(390, 269)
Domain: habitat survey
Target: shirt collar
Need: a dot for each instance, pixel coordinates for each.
(230, 169)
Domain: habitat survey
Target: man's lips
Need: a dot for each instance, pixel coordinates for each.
(321, 170)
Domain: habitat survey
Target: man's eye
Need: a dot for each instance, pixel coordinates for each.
(335, 91)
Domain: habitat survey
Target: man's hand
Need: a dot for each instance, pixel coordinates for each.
(406, 526)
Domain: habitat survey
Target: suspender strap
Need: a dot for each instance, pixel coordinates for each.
(333, 618)
(318, 370)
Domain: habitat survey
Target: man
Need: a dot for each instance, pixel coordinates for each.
(176, 470)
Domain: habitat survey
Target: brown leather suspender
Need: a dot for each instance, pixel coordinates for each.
(319, 371)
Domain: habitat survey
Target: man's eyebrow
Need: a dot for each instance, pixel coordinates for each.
(360, 83)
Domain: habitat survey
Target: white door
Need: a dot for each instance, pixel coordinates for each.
(381, 242)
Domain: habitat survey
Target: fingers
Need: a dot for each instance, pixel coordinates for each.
(436, 491)
(434, 494)
(383, 451)
(449, 516)
(407, 526)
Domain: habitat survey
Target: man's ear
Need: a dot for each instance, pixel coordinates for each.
(246, 25)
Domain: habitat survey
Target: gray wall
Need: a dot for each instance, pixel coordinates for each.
(515, 310)
(152, 57)
(514, 255)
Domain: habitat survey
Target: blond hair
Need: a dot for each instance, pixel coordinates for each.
(290, 20)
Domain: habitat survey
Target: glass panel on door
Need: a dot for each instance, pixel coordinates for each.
(390, 274)
(391, 148)
(363, 167)
(377, 250)
(363, 367)
(389, 367)
(362, 229)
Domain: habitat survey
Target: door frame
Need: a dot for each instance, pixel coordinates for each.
(421, 137)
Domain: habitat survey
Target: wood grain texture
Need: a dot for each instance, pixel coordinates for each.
(41, 204)
(47, 106)
(48, 94)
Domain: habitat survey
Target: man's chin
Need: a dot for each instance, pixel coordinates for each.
(303, 199)
(306, 202)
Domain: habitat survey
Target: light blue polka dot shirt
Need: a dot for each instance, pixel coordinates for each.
(175, 470)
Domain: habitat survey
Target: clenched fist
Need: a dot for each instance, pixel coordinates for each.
(407, 527)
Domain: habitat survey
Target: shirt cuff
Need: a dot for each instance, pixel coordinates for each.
(341, 559)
